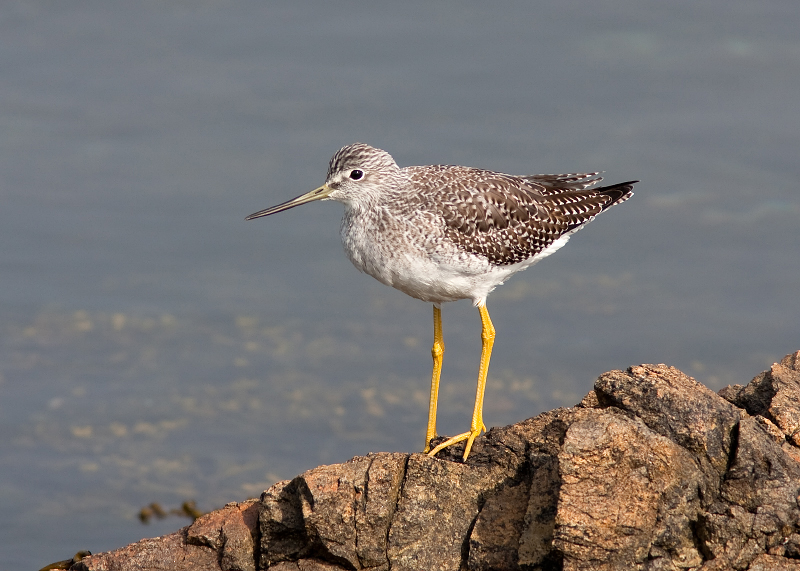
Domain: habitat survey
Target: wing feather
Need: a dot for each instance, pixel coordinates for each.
(509, 219)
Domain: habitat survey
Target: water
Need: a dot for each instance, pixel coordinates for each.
(155, 347)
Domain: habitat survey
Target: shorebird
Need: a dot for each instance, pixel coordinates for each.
(442, 233)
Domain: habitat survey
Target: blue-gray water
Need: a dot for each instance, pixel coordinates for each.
(155, 347)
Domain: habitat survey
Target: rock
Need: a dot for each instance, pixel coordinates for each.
(772, 563)
(627, 495)
(675, 406)
(222, 539)
(774, 398)
(651, 471)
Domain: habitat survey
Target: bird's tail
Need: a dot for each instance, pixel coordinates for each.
(618, 193)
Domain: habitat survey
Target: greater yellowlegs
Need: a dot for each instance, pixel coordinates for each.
(442, 233)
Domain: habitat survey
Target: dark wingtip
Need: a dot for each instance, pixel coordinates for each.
(618, 193)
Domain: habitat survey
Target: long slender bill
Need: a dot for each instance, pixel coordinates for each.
(320, 193)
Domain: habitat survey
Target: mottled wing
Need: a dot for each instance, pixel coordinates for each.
(556, 183)
(510, 219)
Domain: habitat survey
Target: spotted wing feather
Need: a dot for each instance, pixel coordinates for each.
(510, 219)
(557, 183)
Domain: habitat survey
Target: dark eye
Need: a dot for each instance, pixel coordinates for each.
(356, 174)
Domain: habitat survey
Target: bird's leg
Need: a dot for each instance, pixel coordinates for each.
(477, 425)
(487, 339)
(437, 351)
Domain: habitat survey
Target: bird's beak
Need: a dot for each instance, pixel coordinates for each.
(320, 193)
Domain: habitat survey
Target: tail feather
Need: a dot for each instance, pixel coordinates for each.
(618, 193)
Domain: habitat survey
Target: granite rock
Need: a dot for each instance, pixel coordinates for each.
(651, 471)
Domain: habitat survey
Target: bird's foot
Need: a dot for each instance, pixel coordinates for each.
(468, 436)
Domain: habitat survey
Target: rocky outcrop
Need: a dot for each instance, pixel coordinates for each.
(651, 471)
(222, 539)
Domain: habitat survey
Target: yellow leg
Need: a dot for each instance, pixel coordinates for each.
(477, 425)
(438, 352)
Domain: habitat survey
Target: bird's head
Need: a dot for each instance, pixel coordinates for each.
(357, 175)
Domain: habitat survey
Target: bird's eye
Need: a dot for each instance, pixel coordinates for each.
(356, 174)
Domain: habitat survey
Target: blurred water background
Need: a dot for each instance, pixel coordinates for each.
(155, 347)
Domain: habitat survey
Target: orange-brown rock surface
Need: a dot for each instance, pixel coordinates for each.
(651, 471)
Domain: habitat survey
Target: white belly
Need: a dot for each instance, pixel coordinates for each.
(424, 270)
